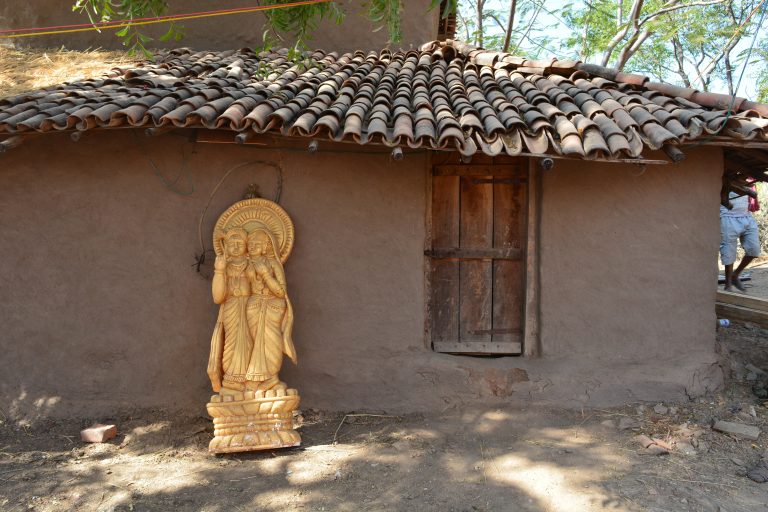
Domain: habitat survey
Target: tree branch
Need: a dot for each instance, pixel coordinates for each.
(676, 7)
(510, 25)
(631, 47)
(634, 14)
(677, 48)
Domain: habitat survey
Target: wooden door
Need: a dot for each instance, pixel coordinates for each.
(477, 264)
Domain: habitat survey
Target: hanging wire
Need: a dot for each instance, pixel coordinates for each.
(184, 170)
(85, 27)
(200, 258)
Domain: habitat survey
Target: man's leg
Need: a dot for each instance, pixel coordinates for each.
(735, 276)
(751, 245)
(729, 277)
(728, 240)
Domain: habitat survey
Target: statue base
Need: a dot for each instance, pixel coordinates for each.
(254, 420)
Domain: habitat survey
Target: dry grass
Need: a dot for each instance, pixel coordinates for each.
(24, 70)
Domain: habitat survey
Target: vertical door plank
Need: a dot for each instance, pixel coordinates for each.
(508, 294)
(445, 212)
(476, 232)
(444, 308)
(508, 279)
(509, 219)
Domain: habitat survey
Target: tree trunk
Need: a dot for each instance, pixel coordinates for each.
(680, 59)
(729, 72)
(480, 37)
(510, 25)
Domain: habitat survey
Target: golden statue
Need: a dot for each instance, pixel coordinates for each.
(253, 409)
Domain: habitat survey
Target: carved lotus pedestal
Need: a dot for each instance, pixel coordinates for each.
(254, 420)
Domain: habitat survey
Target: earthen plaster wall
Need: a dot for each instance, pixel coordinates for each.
(103, 310)
(629, 266)
(419, 25)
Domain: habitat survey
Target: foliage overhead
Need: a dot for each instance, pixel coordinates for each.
(100, 11)
(695, 43)
(299, 21)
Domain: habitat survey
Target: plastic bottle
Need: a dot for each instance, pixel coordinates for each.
(723, 322)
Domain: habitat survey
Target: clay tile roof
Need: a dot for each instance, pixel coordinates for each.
(447, 95)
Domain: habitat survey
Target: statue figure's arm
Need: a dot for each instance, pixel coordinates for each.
(219, 286)
(275, 280)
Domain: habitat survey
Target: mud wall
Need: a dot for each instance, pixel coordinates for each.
(104, 311)
(634, 285)
(419, 25)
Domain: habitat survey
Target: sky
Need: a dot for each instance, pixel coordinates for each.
(551, 24)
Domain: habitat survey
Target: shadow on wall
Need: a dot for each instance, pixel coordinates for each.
(26, 408)
(512, 460)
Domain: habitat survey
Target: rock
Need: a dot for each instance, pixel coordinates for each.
(626, 423)
(751, 376)
(737, 429)
(702, 446)
(737, 461)
(661, 443)
(655, 449)
(608, 423)
(752, 411)
(98, 433)
(673, 410)
(660, 409)
(754, 369)
(685, 447)
(640, 410)
(759, 473)
(643, 440)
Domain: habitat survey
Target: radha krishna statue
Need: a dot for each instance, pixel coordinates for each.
(254, 409)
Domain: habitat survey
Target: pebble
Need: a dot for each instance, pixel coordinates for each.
(643, 440)
(685, 448)
(655, 449)
(660, 409)
(628, 423)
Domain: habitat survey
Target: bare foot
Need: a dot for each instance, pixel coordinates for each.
(737, 283)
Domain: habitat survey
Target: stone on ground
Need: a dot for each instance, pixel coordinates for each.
(98, 433)
(737, 429)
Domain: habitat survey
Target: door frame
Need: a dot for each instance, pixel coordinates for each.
(531, 339)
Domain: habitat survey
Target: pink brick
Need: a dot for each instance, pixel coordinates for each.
(98, 433)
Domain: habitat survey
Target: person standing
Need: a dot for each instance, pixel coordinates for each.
(737, 224)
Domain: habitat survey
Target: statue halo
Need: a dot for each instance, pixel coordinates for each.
(252, 214)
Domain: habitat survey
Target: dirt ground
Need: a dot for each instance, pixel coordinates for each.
(526, 459)
(757, 286)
